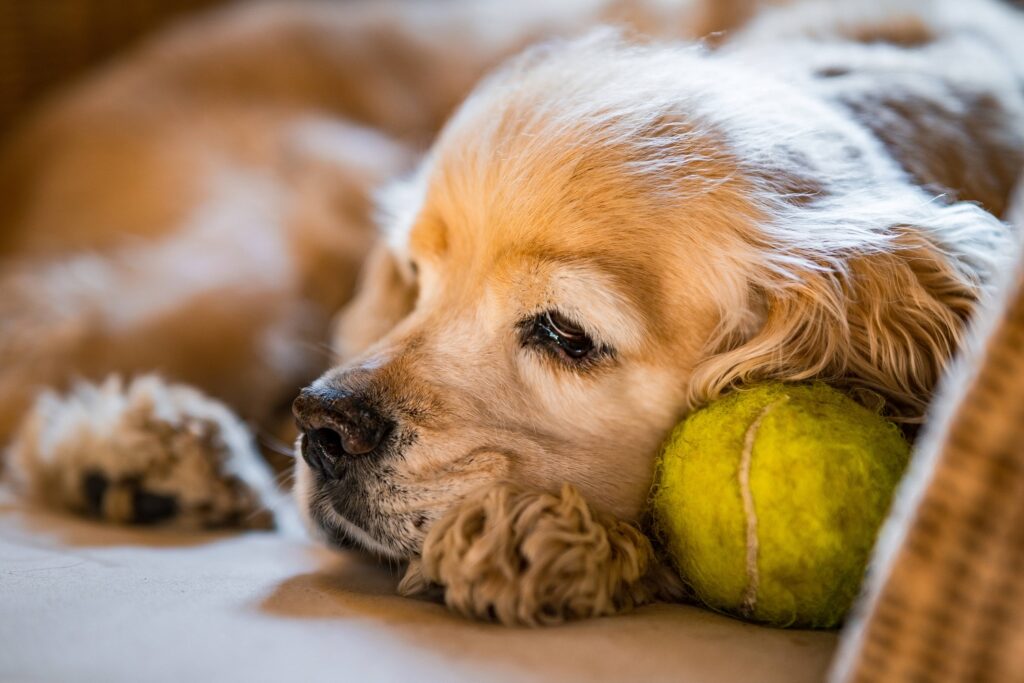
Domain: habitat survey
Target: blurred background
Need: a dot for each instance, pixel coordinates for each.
(44, 43)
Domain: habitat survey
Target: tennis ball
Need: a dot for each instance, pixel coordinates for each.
(769, 500)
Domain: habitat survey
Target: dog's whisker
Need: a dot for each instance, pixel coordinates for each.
(323, 349)
(272, 443)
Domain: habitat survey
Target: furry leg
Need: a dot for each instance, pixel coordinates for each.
(145, 452)
(534, 558)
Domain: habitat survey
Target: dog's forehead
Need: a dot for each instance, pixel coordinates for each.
(572, 201)
(604, 249)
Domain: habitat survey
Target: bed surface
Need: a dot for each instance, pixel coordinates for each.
(85, 602)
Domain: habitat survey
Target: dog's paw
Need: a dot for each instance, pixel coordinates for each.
(143, 453)
(533, 558)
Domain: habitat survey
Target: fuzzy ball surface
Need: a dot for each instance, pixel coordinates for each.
(769, 501)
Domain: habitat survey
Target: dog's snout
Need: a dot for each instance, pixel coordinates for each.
(337, 424)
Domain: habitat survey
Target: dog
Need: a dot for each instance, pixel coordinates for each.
(605, 235)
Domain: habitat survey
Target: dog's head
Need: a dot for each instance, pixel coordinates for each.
(602, 238)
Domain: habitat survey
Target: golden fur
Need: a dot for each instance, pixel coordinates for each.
(712, 225)
(818, 197)
(534, 558)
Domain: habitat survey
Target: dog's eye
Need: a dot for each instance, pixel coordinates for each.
(558, 333)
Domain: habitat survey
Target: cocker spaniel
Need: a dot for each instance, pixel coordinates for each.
(606, 234)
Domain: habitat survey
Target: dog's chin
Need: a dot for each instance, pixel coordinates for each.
(340, 532)
(325, 522)
(372, 510)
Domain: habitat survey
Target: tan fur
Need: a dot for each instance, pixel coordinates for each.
(888, 325)
(534, 558)
(143, 438)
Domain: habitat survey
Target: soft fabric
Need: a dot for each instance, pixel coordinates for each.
(86, 602)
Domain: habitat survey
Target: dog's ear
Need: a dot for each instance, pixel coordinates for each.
(385, 294)
(882, 308)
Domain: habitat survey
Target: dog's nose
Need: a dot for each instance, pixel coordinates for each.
(337, 424)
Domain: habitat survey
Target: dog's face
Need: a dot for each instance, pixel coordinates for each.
(590, 257)
(557, 319)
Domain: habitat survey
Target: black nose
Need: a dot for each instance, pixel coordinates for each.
(337, 424)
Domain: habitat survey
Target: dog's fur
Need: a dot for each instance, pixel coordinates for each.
(706, 223)
(818, 198)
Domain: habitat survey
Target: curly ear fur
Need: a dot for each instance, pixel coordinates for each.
(534, 558)
(876, 309)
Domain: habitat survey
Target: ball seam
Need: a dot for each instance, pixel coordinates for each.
(749, 603)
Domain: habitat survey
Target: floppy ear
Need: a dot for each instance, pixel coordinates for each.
(883, 309)
(385, 294)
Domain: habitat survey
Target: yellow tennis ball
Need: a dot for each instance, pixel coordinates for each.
(769, 501)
